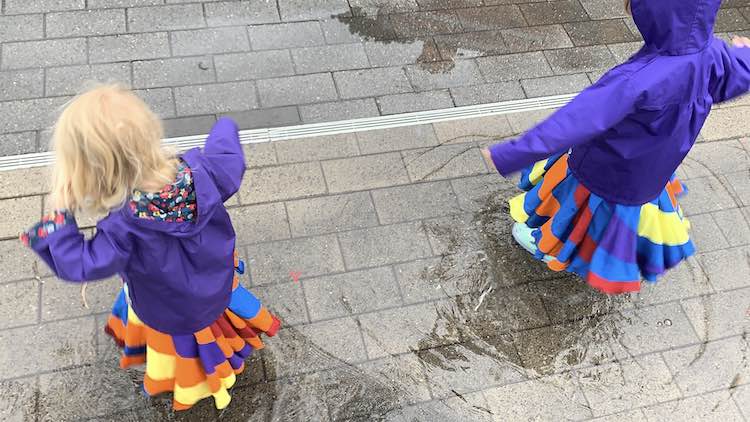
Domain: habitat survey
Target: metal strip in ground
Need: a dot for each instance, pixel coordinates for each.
(254, 136)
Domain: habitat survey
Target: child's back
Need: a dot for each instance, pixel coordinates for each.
(602, 202)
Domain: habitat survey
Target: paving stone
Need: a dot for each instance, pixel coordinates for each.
(372, 82)
(260, 223)
(442, 162)
(71, 80)
(209, 41)
(734, 225)
(411, 102)
(742, 398)
(711, 407)
(487, 93)
(718, 365)
(627, 416)
(203, 99)
(719, 315)
(107, 4)
(427, 77)
(738, 184)
(40, 6)
(624, 51)
(224, 13)
(171, 72)
(20, 213)
(336, 30)
(400, 138)
(259, 155)
(472, 130)
(553, 397)
(723, 124)
(467, 45)
(160, 100)
(489, 18)
(286, 301)
(265, 118)
(116, 48)
(20, 303)
(420, 24)
(406, 203)
(400, 53)
(48, 347)
(405, 329)
(514, 66)
(623, 385)
(448, 4)
(521, 122)
(86, 22)
(21, 84)
(351, 293)
(711, 158)
(66, 395)
(599, 32)
(256, 65)
(19, 401)
(730, 20)
(535, 38)
(579, 302)
(706, 234)
(186, 126)
(474, 193)
(44, 53)
(604, 9)
(555, 85)
(553, 12)
(456, 370)
(649, 329)
(24, 115)
(17, 143)
(270, 184)
(271, 263)
(686, 280)
(331, 214)
(318, 148)
(402, 373)
(708, 194)
(297, 90)
(286, 35)
(20, 263)
(21, 27)
(419, 283)
(368, 172)
(373, 7)
(165, 18)
(296, 10)
(580, 59)
(384, 245)
(471, 407)
(63, 299)
(339, 110)
(329, 58)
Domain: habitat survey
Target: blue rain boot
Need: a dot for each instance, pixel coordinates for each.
(522, 234)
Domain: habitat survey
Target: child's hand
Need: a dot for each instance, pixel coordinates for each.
(488, 158)
(741, 42)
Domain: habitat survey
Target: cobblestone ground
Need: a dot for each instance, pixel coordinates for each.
(413, 303)
(280, 62)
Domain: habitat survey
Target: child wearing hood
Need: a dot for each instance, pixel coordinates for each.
(182, 311)
(601, 198)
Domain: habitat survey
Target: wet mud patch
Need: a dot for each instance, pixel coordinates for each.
(515, 311)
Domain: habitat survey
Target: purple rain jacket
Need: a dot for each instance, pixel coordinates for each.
(179, 275)
(629, 132)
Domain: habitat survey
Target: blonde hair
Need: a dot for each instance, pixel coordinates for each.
(107, 142)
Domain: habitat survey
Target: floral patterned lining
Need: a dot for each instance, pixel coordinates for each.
(175, 203)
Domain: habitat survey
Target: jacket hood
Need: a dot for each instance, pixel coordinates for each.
(675, 27)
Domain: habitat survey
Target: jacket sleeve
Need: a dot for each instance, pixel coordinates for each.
(735, 78)
(594, 111)
(71, 257)
(224, 157)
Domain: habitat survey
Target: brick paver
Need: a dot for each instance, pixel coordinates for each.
(283, 62)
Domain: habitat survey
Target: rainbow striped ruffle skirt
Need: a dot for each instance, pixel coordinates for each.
(197, 366)
(613, 247)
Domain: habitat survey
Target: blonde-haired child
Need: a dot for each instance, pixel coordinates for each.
(182, 311)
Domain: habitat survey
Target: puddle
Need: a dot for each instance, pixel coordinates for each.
(504, 301)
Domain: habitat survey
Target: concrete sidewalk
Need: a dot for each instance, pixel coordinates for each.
(282, 62)
(413, 303)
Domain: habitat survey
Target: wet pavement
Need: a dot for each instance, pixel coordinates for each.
(282, 62)
(388, 256)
